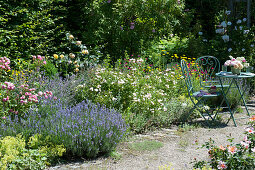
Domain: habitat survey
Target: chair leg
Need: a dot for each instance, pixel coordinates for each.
(201, 112)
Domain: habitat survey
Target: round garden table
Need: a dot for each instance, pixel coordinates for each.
(234, 78)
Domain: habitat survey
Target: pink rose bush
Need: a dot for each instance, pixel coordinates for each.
(234, 156)
(5, 63)
(38, 61)
(17, 96)
(4, 66)
(16, 99)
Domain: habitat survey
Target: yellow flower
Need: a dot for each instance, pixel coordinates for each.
(62, 56)
(85, 52)
(71, 55)
(75, 62)
(78, 42)
(55, 56)
(71, 37)
(76, 69)
(77, 66)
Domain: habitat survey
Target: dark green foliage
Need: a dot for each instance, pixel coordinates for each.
(119, 26)
(204, 12)
(50, 69)
(27, 28)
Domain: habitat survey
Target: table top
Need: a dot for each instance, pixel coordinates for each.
(231, 75)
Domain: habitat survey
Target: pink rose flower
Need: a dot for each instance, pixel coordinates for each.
(40, 93)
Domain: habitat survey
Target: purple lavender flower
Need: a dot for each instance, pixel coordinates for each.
(132, 25)
(85, 129)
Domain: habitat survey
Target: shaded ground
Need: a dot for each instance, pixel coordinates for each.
(180, 147)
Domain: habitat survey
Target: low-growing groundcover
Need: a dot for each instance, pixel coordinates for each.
(37, 153)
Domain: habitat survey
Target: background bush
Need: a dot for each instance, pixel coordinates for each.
(124, 25)
(28, 27)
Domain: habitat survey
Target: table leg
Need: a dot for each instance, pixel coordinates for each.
(242, 96)
(225, 98)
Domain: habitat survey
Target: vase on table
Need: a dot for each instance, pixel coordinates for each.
(235, 70)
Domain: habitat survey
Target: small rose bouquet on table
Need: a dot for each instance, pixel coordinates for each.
(236, 64)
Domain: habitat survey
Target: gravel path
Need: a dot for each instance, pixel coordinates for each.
(179, 148)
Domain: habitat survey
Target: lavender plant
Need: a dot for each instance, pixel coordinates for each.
(62, 88)
(85, 130)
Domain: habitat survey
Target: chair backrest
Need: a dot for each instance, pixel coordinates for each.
(186, 75)
(207, 67)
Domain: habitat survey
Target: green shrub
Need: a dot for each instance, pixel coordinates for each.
(177, 111)
(163, 51)
(10, 148)
(125, 25)
(28, 27)
(49, 69)
(76, 57)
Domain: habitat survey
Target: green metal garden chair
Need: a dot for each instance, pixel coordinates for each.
(199, 98)
(207, 67)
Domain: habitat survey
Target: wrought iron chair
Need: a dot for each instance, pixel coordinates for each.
(207, 67)
(199, 98)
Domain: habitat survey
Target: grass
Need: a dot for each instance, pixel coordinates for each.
(115, 155)
(146, 145)
(186, 127)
